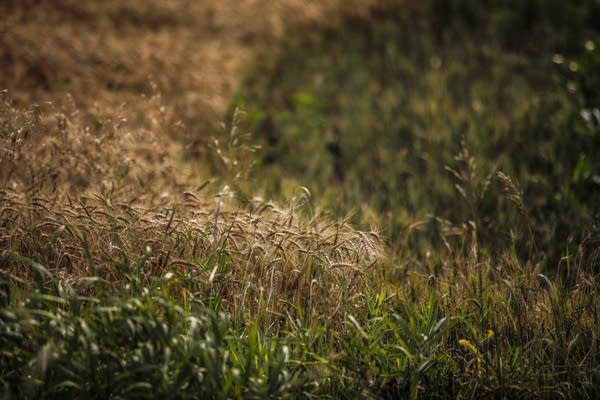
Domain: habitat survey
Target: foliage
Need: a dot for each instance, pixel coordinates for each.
(58, 344)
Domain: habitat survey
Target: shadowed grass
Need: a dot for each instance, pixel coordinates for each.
(387, 115)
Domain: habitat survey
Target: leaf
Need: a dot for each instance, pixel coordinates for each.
(138, 386)
(358, 327)
(68, 384)
(43, 271)
(43, 358)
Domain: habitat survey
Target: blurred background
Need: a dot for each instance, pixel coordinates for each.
(395, 114)
(403, 114)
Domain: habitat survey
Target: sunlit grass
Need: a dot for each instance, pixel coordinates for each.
(414, 214)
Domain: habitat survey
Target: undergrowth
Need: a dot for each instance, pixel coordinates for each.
(467, 133)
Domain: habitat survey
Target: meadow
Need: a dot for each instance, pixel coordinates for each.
(379, 199)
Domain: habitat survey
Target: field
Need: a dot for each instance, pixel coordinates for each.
(299, 199)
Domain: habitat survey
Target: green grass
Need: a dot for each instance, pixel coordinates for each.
(483, 329)
(384, 117)
(58, 344)
(469, 133)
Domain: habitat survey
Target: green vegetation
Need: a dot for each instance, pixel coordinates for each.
(386, 116)
(469, 134)
(61, 345)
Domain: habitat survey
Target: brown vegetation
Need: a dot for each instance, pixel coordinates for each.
(95, 168)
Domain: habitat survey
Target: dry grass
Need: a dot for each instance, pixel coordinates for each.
(60, 153)
(83, 203)
(96, 171)
(106, 54)
(162, 71)
(269, 256)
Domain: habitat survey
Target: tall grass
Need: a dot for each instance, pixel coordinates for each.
(376, 112)
(473, 328)
(128, 272)
(59, 344)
